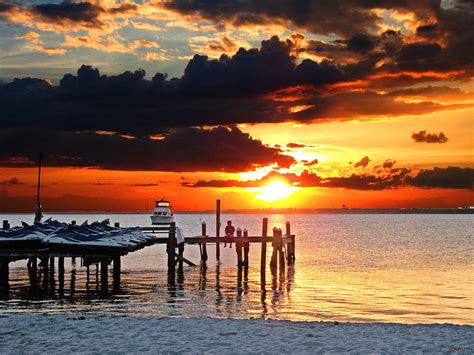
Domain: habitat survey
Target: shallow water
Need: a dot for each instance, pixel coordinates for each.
(360, 268)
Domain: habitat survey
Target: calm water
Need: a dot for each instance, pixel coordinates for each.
(361, 268)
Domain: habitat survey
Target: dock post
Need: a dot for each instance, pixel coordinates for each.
(218, 229)
(73, 223)
(289, 245)
(6, 225)
(238, 248)
(263, 256)
(51, 271)
(45, 263)
(204, 247)
(274, 260)
(61, 271)
(281, 254)
(4, 274)
(170, 248)
(246, 247)
(293, 249)
(181, 254)
(117, 224)
(116, 272)
(33, 268)
(104, 273)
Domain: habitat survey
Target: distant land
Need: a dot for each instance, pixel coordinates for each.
(459, 210)
(340, 211)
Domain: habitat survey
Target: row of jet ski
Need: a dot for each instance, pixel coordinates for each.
(96, 234)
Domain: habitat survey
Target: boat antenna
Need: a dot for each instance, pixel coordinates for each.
(38, 212)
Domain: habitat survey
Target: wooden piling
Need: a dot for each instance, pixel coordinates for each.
(117, 224)
(181, 254)
(170, 247)
(45, 263)
(73, 223)
(33, 270)
(280, 250)
(204, 256)
(238, 247)
(263, 256)
(218, 229)
(61, 270)
(288, 244)
(104, 273)
(51, 270)
(4, 275)
(117, 272)
(274, 259)
(246, 245)
(6, 225)
(293, 246)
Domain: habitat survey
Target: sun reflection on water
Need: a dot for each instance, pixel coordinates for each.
(386, 268)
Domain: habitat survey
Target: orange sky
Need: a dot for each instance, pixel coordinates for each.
(256, 105)
(334, 144)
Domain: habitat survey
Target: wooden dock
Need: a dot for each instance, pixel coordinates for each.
(283, 252)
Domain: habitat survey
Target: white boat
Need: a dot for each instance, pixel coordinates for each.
(162, 214)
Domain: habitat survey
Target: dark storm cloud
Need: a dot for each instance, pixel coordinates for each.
(317, 16)
(84, 12)
(66, 14)
(451, 177)
(187, 149)
(361, 42)
(210, 92)
(425, 137)
(6, 7)
(242, 88)
(426, 28)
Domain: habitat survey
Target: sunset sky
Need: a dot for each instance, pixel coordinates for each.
(277, 103)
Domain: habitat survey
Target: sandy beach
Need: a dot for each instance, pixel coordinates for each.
(76, 333)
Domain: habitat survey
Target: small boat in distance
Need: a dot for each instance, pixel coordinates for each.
(162, 214)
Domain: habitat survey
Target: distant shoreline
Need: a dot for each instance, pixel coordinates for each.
(288, 211)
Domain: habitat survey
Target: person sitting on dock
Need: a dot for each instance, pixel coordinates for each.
(229, 232)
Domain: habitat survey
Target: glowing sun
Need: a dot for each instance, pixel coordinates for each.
(274, 191)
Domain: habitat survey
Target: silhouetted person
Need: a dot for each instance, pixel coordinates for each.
(229, 232)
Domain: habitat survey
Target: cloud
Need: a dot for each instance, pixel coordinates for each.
(145, 184)
(69, 12)
(185, 149)
(254, 85)
(216, 47)
(423, 136)
(388, 164)
(322, 17)
(362, 163)
(296, 145)
(12, 181)
(449, 178)
(35, 39)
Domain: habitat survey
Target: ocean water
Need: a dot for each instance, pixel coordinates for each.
(349, 267)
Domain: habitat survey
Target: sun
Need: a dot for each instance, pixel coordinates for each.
(274, 191)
